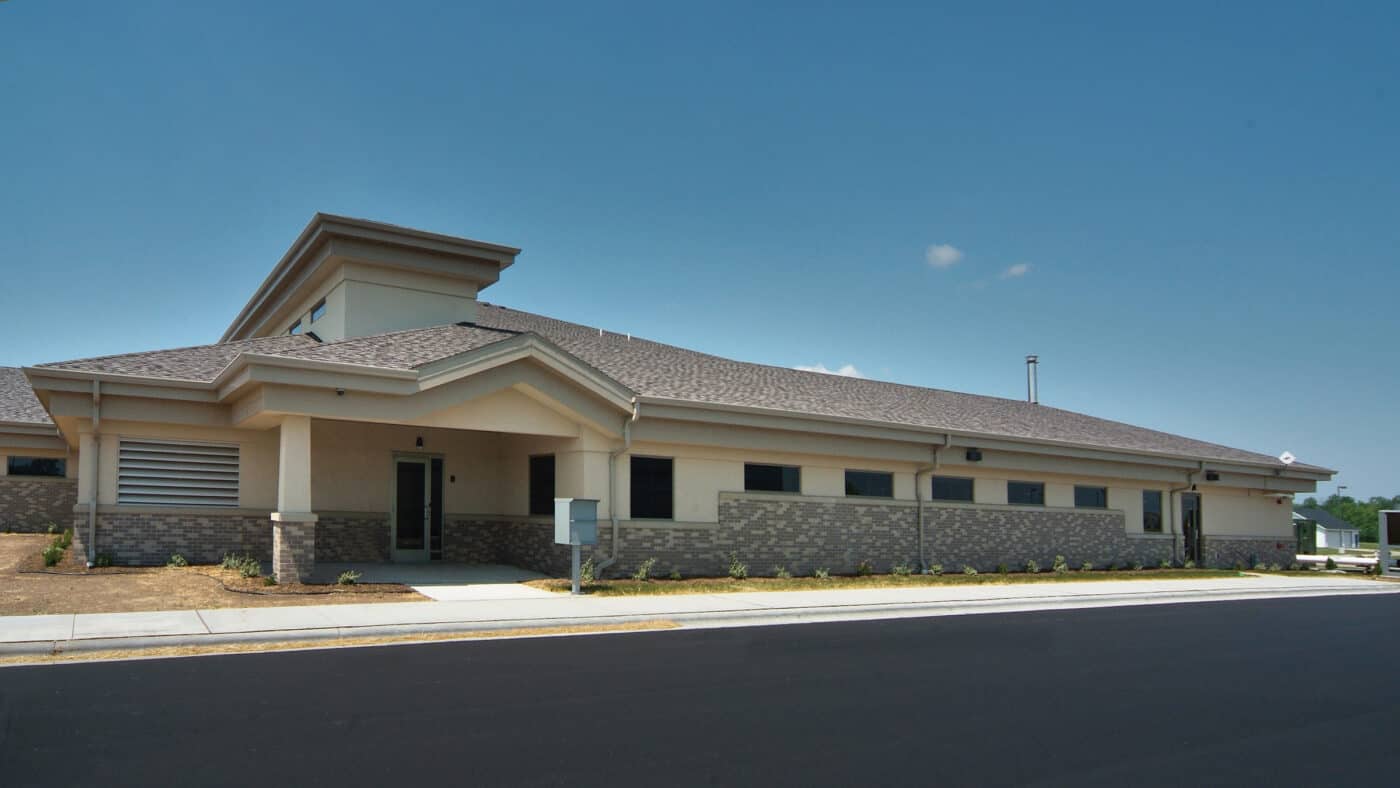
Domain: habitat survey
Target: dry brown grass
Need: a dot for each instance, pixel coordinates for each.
(29, 589)
(306, 645)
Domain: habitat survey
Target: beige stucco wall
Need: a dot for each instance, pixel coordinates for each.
(486, 472)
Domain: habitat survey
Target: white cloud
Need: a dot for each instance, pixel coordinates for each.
(943, 255)
(1016, 271)
(845, 371)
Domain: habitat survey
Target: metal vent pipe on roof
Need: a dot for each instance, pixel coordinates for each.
(1032, 391)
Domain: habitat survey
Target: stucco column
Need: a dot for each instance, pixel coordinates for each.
(294, 524)
(85, 522)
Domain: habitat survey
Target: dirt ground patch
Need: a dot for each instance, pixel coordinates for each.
(28, 588)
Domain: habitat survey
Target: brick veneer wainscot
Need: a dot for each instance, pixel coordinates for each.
(29, 503)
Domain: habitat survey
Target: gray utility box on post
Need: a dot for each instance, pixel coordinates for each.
(575, 521)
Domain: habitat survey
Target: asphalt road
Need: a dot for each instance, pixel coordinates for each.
(1245, 693)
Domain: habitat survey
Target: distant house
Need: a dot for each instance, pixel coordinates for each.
(1332, 531)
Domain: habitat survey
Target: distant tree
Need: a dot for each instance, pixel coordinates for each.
(1363, 514)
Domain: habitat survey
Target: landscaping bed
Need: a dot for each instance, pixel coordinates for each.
(717, 585)
(28, 587)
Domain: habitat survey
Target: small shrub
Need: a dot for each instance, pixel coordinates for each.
(821, 573)
(1032, 567)
(51, 554)
(347, 578)
(177, 560)
(1189, 563)
(738, 569)
(902, 569)
(1060, 566)
(675, 573)
(1260, 566)
(969, 570)
(269, 581)
(781, 572)
(65, 539)
(1330, 563)
(1087, 566)
(935, 569)
(1003, 569)
(587, 572)
(102, 560)
(865, 568)
(1275, 568)
(51, 529)
(1137, 566)
(1165, 563)
(643, 572)
(1295, 566)
(244, 565)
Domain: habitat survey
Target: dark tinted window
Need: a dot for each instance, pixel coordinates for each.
(951, 488)
(1091, 497)
(318, 311)
(542, 484)
(772, 478)
(652, 479)
(1152, 511)
(36, 466)
(1027, 493)
(875, 484)
(295, 329)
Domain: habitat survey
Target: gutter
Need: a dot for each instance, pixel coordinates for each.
(919, 496)
(96, 471)
(612, 483)
(1171, 505)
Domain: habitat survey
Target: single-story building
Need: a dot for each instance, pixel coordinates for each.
(1331, 530)
(365, 405)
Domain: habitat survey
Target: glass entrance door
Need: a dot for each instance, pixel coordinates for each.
(1191, 525)
(412, 496)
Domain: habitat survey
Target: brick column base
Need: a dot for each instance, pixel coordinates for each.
(293, 547)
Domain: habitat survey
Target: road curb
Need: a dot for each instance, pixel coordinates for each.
(738, 617)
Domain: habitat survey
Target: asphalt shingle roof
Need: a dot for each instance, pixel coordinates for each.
(17, 400)
(200, 363)
(665, 371)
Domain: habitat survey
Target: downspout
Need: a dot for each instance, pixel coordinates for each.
(1171, 505)
(96, 466)
(612, 483)
(919, 496)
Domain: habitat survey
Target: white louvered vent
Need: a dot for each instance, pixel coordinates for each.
(168, 473)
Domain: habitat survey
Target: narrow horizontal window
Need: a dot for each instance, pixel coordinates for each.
(873, 484)
(951, 488)
(36, 466)
(772, 478)
(1152, 511)
(542, 484)
(1026, 493)
(295, 329)
(318, 311)
(167, 473)
(653, 488)
(1091, 497)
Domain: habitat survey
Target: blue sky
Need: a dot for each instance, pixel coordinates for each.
(1202, 203)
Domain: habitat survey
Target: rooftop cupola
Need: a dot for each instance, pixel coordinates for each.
(346, 277)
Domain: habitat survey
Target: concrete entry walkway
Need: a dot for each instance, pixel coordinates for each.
(444, 582)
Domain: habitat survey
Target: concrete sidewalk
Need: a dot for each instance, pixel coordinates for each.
(103, 631)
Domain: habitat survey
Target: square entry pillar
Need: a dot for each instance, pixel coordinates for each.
(294, 524)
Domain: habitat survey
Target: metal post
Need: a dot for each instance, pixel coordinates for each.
(575, 550)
